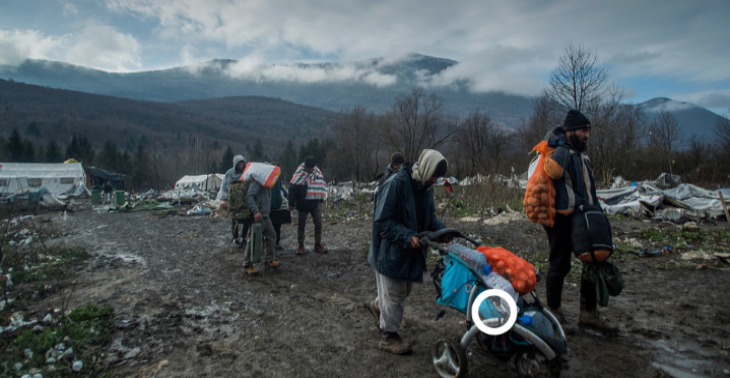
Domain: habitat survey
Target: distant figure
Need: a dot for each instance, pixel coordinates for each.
(107, 189)
(306, 191)
(279, 215)
(396, 161)
(239, 164)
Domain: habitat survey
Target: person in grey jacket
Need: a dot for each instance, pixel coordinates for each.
(259, 202)
(404, 207)
(239, 165)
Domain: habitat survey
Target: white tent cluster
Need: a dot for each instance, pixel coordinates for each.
(48, 184)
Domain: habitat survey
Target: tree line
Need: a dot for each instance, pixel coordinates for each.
(356, 143)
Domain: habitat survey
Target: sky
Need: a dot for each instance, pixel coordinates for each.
(651, 48)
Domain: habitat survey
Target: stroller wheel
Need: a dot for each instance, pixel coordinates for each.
(531, 363)
(449, 359)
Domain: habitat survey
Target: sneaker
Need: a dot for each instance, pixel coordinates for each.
(272, 265)
(393, 343)
(251, 270)
(319, 248)
(372, 306)
(592, 320)
(300, 249)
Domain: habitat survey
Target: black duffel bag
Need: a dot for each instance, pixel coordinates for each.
(280, 216)
(592, 240)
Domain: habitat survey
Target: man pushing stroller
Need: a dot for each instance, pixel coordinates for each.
(404, 207)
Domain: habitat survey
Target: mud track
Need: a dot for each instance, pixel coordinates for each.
(186, 309)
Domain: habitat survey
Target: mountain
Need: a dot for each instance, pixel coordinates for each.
(372, 83)
(239, 121)
(692, 119)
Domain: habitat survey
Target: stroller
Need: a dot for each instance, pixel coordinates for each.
(536, 341)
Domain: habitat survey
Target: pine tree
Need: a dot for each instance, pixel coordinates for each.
(72, 150)
(28, 155)
(108, 156)
(53, 152)
(258, 152)
(288, 160)
(227, 160)
(32, 130)
(15, 147)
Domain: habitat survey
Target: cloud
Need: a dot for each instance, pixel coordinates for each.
(708, 99)
(255, 68)
(97, 46)
(19, 45)
(103, 47)
(653, 38)
(69, 9)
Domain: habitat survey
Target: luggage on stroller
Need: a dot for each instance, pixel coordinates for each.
(535, 341)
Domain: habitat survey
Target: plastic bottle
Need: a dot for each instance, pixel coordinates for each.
(474, 258)
(495, 281)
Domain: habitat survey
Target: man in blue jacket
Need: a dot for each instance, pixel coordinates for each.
(404, 207)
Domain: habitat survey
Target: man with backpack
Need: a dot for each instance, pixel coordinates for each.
(233, 174)
(569, 168)
(258, 199)
(307, 190)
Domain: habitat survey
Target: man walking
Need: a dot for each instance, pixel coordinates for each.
(239, 164)
(259, 203)
(572, 175)
(307, 190)
(404, 207)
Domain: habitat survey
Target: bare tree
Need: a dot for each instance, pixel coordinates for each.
(356, 143)
(722, 133)
(579, 79)
(480, 143)
(416, 122)
(616, 132)
(664, 136)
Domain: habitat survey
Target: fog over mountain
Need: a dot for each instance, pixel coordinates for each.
(372, 83)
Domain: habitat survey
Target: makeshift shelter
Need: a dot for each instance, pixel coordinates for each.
(210, 182)
(58, 178)
(97, 177)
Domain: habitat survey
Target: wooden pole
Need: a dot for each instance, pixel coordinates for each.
(724, 206)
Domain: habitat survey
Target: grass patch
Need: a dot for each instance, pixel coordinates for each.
(480, 200)
(38, 264)
(81, 335)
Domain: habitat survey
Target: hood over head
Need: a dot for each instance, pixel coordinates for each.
(428, 165)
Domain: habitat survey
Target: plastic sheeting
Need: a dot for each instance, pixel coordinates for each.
(646, 198)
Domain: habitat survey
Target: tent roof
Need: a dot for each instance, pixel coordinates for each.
(36, 170)
(105, 175)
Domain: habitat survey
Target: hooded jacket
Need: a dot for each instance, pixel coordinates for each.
(395, 223)
(230, 175)
(571, 173)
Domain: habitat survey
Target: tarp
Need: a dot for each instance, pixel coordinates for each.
(207, 182)
(646, 198)
(57, 178)
(99, 176)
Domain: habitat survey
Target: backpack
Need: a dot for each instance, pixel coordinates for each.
(237, 204)
(539, 199)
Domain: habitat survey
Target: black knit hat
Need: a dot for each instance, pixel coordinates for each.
(575, 120)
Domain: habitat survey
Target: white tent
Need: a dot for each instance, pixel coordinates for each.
(209, 182)
(57, 178)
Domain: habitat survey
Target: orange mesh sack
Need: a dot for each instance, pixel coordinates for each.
(540, 195)
(513, 268)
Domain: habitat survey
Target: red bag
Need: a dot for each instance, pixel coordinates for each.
(513, 268)
(539, 199)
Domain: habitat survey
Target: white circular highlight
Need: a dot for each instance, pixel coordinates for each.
(512, 312)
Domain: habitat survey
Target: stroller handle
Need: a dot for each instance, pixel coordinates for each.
(432, 238)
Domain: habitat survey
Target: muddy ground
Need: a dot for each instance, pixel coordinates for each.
(192, 312)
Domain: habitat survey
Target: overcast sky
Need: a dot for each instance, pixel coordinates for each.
(656, 48)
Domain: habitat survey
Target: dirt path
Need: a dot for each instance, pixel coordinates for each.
(191, 312)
